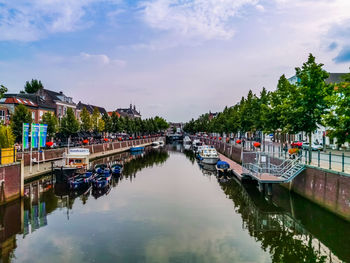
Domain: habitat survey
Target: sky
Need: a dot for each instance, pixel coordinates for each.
(172, 58)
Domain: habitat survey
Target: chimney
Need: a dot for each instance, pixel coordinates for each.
(130, 106)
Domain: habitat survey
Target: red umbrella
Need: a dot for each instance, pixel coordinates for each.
(86, 141)
(257, 144)
(49, 144)
(138, 137)
(220, 138)
(130, 138)
(144, 137)
(120, 138)
(238, 141)
(105, 139)
(215, 138)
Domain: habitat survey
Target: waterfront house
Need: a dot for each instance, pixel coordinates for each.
(130, 112)
(90, 108)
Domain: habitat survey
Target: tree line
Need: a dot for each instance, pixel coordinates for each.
(70, 125)
(290, 109)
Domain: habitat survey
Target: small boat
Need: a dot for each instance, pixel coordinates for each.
(195, 144)
(208, 156)
(155, 143)
(187, 143)
(102, 180)
(76, 160)
(222, 167)
(101, 168)
(161, 143)
(80, 180)
(117, 168)
(137, 149)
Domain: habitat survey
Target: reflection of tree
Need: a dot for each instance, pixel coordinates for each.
(152, 157)
(190, 155)
(284, 243)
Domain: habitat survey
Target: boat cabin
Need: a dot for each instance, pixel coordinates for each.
(78, 157)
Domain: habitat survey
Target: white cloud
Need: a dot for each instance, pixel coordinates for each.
(203, 19)
(25, 20)
(101, 59)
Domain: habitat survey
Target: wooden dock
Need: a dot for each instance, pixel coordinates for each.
(238, 171)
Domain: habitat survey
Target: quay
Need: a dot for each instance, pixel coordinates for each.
(328, 188)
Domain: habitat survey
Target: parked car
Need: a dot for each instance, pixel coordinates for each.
(314, 147)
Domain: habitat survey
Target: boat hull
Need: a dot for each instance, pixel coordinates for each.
(63, 174)
(136, 149)
(209, 160)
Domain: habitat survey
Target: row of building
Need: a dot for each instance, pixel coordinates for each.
(45, 100)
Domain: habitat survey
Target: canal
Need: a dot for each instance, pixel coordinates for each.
(166, 208)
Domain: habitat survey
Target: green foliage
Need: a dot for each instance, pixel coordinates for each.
(86, 123)
(33, 86)
(94, 119)
(20, 116)
(52, 123)
(288, 109)
(7, 139)
(3, 90)
(101, 125)
(107, 122)
(338, 117)
(69, 124)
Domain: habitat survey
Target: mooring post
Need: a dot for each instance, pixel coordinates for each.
(269, 189)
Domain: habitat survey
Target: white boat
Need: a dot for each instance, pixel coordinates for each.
(209, 155)
(161, 143)
(187, 143)
(195, 144)
(155, 143)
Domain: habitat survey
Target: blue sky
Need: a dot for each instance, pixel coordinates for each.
(174, 58)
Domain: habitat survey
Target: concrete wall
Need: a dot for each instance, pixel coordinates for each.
(328, 189)
(10, 178)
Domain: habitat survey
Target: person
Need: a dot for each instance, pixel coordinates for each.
(285, 148)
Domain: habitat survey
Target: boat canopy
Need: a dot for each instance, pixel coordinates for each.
(222, 164)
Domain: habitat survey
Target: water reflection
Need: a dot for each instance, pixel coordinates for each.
(165, 218)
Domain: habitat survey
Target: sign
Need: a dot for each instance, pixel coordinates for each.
(43, 134)
(25, 136)
(79, 151)
(35, 135)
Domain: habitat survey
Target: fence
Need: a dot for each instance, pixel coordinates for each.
(326, 160)
(8, 155)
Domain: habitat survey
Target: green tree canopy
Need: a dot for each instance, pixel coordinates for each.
(86, 123)
(33, 86)
(7, 139)
(20, 116)
(69, 124)
(51, 120)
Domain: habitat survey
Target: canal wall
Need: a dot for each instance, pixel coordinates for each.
(11, 184)
(329, 189)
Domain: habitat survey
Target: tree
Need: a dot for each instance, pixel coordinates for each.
(3, 90)
(7, 139)
(94, 119)
(107, 122)
(86, 123)
(310, 105)
(20, 116)
(101, 125)
(338, 117)
(33, 86)
(69, 124)
(52, 123)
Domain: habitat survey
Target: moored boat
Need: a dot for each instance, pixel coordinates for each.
(117, 168)
(208, 156)
(102, 180)
(223, 167)
(81, 180)
(137, 149)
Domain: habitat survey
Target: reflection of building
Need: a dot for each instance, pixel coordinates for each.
(10, 225)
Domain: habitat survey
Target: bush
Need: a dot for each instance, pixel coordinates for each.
(7, 139)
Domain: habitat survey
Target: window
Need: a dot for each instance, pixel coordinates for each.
(33, 115)
(2, 115)
(41, 113)
(59, 111)
(64, 111)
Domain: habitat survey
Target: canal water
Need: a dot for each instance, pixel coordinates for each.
(167, 208)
